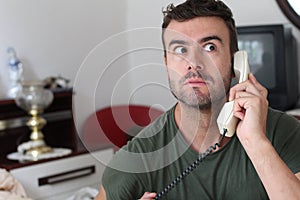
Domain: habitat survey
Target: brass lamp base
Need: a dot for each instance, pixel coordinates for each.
(36, 123)
(36, 151)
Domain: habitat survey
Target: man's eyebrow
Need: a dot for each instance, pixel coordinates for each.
(177, 42)
(209, 38)
(203, 40)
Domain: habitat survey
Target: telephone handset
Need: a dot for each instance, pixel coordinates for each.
(226, 119)
(226, 122)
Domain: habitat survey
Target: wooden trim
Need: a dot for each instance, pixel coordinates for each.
(289, 12)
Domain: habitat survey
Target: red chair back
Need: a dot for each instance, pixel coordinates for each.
(113, 124)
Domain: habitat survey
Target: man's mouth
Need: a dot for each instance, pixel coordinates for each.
(195, 82)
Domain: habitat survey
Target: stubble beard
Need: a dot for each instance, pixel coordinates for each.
(195, 99)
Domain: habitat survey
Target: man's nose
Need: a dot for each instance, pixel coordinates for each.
(195, 61)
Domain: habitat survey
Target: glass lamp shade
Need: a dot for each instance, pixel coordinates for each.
(32, 97)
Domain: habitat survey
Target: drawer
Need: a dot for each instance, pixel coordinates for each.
(45, 180)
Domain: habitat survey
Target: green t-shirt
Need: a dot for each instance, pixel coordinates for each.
(159, 154)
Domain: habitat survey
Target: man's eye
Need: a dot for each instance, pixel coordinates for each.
(209, 47)
(180, 50)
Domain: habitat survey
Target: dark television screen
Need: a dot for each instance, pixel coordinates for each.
(261, 56)
(272, 58)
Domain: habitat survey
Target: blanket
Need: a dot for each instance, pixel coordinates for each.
(10, 188)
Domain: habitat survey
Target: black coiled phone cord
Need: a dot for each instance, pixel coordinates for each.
(189, 169)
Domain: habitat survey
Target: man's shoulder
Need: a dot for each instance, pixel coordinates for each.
(150, 137)
(277, 116)
(164, 120)
(281, 125)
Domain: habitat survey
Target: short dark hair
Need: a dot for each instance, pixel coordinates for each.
(201, 8)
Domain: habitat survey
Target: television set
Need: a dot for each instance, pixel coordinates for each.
(272, 54)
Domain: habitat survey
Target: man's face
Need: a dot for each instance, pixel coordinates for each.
(198, 60)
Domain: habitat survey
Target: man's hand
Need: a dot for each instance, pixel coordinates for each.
(148, 196)
(251, 107)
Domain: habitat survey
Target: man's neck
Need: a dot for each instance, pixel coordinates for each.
(199, 127)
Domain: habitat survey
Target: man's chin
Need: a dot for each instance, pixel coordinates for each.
(198, 105)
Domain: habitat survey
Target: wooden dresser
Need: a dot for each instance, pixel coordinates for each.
(55, 178)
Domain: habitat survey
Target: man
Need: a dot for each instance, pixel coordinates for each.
(261, 161)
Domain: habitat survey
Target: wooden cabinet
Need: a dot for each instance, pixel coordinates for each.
(54, 178)
(61, 178)
(59, 131)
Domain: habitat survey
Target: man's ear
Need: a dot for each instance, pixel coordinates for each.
(232, 68)
(165, 60)
(233, 74)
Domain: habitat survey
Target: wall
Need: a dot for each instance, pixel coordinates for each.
(149, 79)
(110, 50)
(55, 37)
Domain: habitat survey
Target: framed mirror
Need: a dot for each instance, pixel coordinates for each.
(291, 9)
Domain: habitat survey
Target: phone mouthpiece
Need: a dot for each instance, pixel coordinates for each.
(226, 120)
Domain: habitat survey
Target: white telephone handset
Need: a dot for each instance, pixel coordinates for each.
(226, 119)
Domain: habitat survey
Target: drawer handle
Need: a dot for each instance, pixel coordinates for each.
(66, 175)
